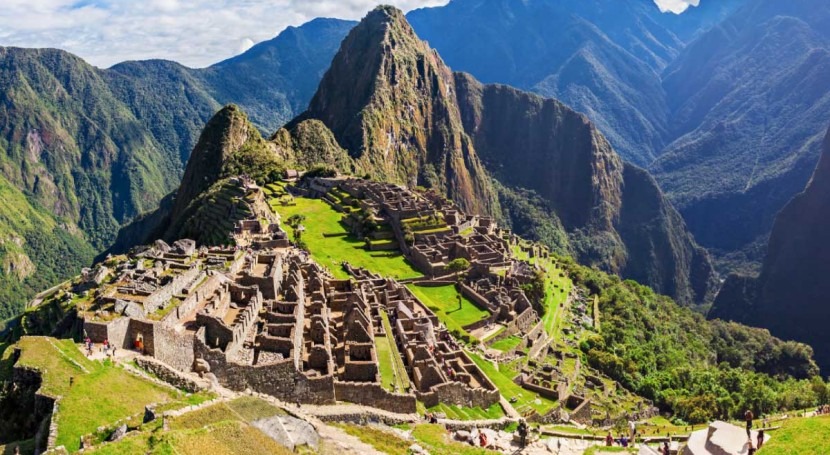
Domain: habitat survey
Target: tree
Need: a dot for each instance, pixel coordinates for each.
(295, 220)
(458, 267)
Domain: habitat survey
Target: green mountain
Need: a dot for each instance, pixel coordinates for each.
(790, 295)
(92, 149)
(749, 105)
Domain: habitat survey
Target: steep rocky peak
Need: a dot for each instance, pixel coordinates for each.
(389, 101)
(226, 133)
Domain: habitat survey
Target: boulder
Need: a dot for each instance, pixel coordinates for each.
(161, 246)
(119, 433)
(184, 246)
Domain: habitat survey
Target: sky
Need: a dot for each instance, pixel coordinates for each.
(196, 33)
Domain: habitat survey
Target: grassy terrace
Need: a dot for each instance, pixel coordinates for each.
(434, 438)
(443, 301)
(503, 379)
(801, 435)
(392, 370)
(100, 395)
(223, 428)
(464, 413)
(330, 251)
(507, 344)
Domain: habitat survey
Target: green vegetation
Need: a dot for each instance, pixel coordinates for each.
(100, 394)
(330, 251)
(699, 369)
(436, 439)
(392, 370)
(222, 428)
(507, 344)
(444, 301)
(526, 399)
(464, 413)
(383, 440)
(801, 435)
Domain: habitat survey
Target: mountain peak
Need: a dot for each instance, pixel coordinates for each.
(388, 100)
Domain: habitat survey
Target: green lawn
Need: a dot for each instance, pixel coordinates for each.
(509, 389)
(331, 251)
(801, 435)
(386, 363)
(507, 344)
(100, 395)
(464, 413)
(443, 301)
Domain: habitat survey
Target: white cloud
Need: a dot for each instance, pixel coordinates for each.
(676, 6)
(193, 32)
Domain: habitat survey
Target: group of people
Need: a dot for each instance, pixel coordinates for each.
(107, 348)
(823, 409)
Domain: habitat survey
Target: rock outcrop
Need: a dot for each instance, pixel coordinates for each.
(790, 296)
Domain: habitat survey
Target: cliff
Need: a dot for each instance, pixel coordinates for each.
(790, 296)
(613, 212)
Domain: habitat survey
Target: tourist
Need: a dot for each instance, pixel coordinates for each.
(623, 441)
(666, 450)
(609, 440)
(482, 439)
(632, 429)
(748, 417)
(522, 433)
(751, 450)
(760, 438)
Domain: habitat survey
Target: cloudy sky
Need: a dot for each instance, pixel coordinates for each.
(194, 32)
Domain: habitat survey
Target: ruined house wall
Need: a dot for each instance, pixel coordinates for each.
(375, 396)
(147, 331)
(114, 331)
(172, 348)
(162, 297)
(280, 380)
(189, 304)
(459, 394)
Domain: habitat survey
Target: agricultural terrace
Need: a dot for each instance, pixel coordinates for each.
(330, 244)
(443, 300)
(224, 428)
(502, 376)
(100, 394)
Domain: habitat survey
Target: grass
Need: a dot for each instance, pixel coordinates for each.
(509, 389)
(800, 435)
(331, 251)
(443, 301)
(100, 395)
(386, 363)
(506, 344)
(222, 428)
(401, 376)
(382, 440)
(436, 440)
(464, 413)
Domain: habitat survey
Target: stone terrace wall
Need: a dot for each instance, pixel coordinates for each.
(459, 394)
(168, 375)
(375, 396)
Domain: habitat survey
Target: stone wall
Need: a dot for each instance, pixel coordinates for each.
(146, 330)
(162, 297)
(194, 296)
(174, 349)
(459, 394)
(114, 331)
(168, 374)
(375, 396)
(280, 379)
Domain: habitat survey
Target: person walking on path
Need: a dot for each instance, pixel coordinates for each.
(748, 417)
(522, 433)
(760, 439)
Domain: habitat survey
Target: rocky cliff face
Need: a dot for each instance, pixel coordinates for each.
(790, 296)
(614, 213)
(388, 99)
